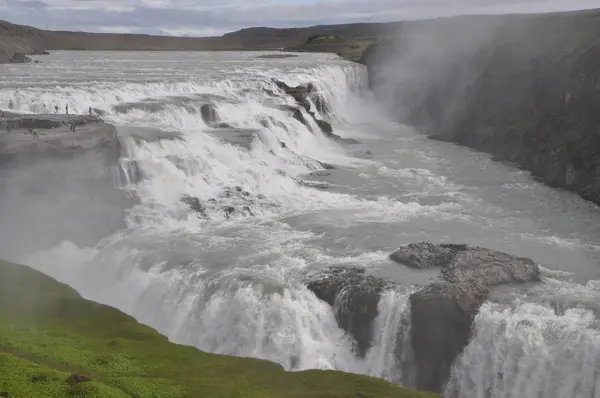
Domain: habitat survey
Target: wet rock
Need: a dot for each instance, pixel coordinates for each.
(326, 166)
(426, 255)
(229, 210)
(354, 298)
(441, 321)
(209, 114)
(269, 92)
(221, 125)
(320, 103)
(461, 263)
(325, 127)
(98, 112)
(194, 204)
(76, 379)
(442, 313)
(299, 93)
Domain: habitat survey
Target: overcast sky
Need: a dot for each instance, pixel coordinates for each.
(215, 17)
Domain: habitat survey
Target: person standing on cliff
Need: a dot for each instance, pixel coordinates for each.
(55, 108)
(67, 109)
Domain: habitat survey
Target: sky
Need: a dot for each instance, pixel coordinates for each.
(215, 17)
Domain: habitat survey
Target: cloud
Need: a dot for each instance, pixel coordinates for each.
(214, 17)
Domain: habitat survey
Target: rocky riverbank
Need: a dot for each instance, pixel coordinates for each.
(523, 88)
(54, 343)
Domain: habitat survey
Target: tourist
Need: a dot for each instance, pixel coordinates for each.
(55, 108)
(67, 109)
(35, 134)
(90, 111)
(10, 104)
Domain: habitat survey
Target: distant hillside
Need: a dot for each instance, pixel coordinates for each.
(27, 40)
(17, 39)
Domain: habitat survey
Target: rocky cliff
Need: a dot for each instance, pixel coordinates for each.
(524, 88)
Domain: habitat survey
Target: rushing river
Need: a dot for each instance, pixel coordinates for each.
(232, 282)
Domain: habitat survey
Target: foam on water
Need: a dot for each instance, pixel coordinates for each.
(545, 343)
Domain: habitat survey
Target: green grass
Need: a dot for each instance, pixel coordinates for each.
(48, 332)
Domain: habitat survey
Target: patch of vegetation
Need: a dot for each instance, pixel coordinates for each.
(54, 343)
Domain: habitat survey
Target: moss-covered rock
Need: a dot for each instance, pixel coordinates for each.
(54, 343)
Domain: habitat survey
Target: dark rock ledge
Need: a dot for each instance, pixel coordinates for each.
(301, 95)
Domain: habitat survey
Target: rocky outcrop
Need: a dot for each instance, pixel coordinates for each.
(442, 313)
(301, 95)
(525, 89)
(354, 297)
(55, 135)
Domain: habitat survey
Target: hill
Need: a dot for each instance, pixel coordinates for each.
(28, 40)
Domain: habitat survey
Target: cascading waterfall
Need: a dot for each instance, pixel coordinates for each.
(209, 257)
(173, 267)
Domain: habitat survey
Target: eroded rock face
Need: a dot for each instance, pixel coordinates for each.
(354, 297)
(209, 114)
(442, 313)
(441, 319)
(302, 94)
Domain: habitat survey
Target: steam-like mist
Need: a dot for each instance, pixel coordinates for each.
(46, 199)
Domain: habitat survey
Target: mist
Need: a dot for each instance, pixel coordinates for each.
(47, 199)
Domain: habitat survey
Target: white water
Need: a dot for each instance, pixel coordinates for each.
(235, 285)
(546, 347)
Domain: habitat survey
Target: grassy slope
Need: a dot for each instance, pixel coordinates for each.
(48, 332)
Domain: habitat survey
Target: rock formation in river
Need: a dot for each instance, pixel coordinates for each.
(442, 312)
(524, 88)
(354, 297)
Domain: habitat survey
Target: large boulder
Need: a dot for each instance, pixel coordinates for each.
(209, 114)
(441, 320)
(354, 297)
(462, 263)
(442, 313)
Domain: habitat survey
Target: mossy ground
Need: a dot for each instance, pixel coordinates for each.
(48, 332)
